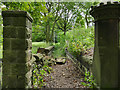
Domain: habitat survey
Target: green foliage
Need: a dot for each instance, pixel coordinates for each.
(79, 40)
(39, 73)
(38, 33)
(1, 30)
(35, 9)
(89, 82)
(1, 49)
(48, 16)
(59, 50)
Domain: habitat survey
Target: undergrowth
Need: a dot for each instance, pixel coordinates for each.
(77, 40)
(89, 81)
(39, 73)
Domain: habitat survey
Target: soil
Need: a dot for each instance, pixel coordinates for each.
(64, 76)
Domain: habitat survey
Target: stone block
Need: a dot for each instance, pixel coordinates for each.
(23, 33)
(6, 70)
(16, 32)
(18, 44)
(21, 56)
(9, 56)
(14, 69)
(18, 69)
(29, 44)
(9, 81)
(14, 81)
(31, 33)
(28, 23)
(14, 21)
(21, 81)
(29, 75)
(6, 43)
(29, 55)
(28, 66)
(9, 32)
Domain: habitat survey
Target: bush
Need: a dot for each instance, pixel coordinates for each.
(38, 37)
(38, 33)
(77, 41)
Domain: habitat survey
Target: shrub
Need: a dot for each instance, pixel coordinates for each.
(80, 39)
(89, 81)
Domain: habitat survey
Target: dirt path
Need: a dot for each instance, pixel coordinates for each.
(64, 76)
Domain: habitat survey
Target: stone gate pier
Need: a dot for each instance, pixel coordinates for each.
(17, 54)
(106, 64)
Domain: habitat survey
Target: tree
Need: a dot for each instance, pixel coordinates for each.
(50, 16)
(84, 17)
(68, 16)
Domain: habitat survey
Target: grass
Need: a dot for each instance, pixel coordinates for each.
(36, 45)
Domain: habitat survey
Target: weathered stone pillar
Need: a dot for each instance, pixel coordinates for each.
(17, 46)
(106, 63)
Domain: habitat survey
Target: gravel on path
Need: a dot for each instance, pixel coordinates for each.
(64, 76)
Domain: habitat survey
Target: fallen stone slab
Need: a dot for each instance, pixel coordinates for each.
(38, 56)
(61, 60)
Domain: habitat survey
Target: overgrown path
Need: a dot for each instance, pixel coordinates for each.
(64, 76)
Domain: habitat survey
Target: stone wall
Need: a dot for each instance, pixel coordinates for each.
(83, 63)
(17, 45)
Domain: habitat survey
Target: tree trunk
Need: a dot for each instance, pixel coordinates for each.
(52, 35)
(47, 32)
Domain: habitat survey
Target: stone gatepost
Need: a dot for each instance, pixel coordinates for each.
(17, 52)
(106, 63)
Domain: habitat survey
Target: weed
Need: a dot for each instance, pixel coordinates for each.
(38, 75)
(89, 82)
